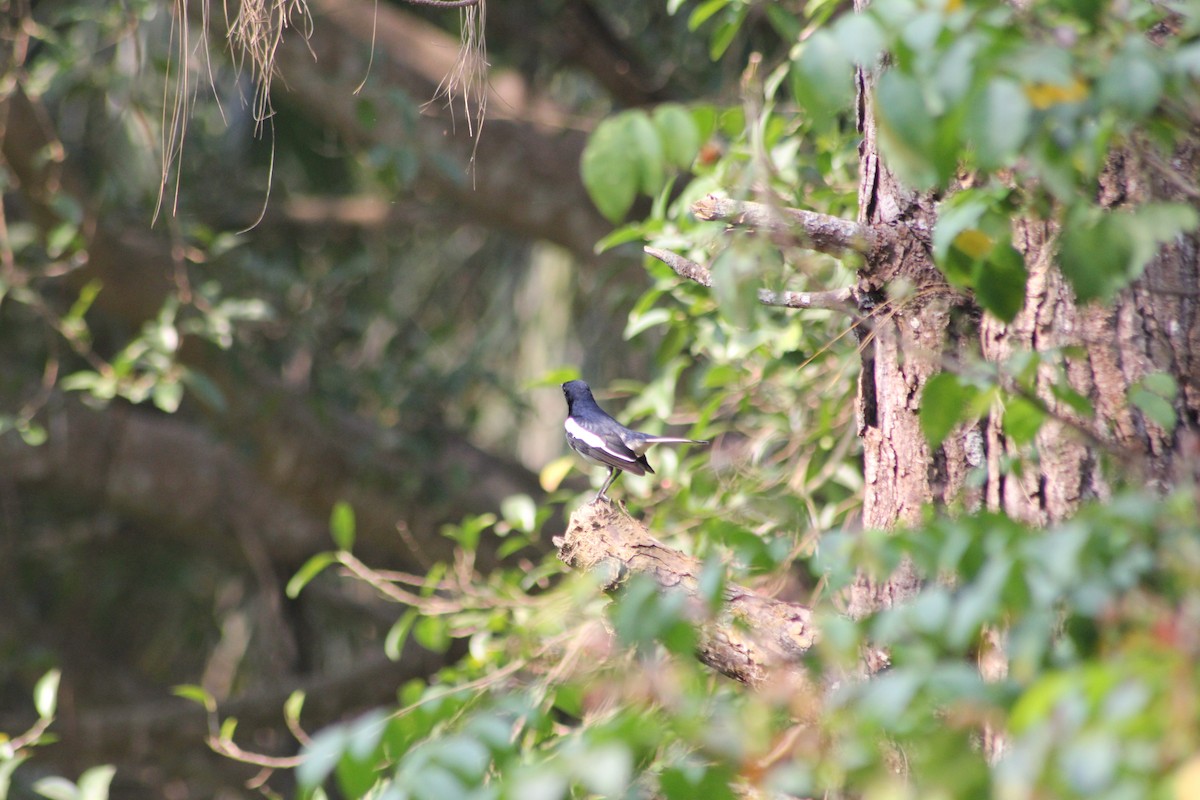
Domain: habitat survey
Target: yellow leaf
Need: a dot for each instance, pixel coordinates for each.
(974, 243)
(1044, 95)
(553, 473)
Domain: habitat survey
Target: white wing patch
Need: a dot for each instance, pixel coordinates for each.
(593, 440)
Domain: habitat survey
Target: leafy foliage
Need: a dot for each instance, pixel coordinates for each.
(93, 784)
(550, 703)
(567, 695)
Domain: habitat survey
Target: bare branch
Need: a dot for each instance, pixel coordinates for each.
(833, 300)
(684, 267)
(751, 639)
(821, 232)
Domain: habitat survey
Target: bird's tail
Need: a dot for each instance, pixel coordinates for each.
(671, 440)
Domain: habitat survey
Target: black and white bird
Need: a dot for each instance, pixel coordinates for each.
(602, 440)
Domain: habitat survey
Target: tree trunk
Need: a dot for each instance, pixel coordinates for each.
(1154, 326)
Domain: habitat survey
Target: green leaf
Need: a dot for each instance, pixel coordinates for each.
(293, 706)
(432, 634)
(822, 78)
(998, 122)
(1000, 282)
(643, 322)
(393, 643)
(906, 129)
(31, 433)
(1154, 396)
(434, 782)
(520, 512)
(45, 694)
(1094, 253)
(624, 235)
(94, 783)
(648, 149)
(944, 403)
(228, 728)
(320, 756)
(609, 173)
(1155, 224)
(1101, 253)
(1022, 419)
(1065, 394)
(56, 788)
(1132, 83)
(355, 777)
(678, 133)
(465, 756)
(726, 32)
(306, 573)
(197, 694)
(341, 525)
(364, 734)
(736, 274)
(606, 770)
(860, 39)
(704, 12)
(1161, 384)
(785, 23)
(203, 388)
(7, 767)
(167, 395)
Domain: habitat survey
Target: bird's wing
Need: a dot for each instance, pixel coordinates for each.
(608, 450)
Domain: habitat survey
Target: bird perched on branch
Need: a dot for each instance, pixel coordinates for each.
(602, 440)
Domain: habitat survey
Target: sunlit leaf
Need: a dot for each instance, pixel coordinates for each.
(552, 475)
(397, 635)
(56, 788)
(197, 694)
(45, 694)
(94, 782)
(341, 525)
(520, 512)
(307, 572)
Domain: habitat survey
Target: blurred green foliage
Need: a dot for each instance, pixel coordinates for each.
(565, 694)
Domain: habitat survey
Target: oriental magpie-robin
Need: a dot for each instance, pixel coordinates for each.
(602, 440)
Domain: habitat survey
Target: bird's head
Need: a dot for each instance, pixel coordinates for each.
(575, 391)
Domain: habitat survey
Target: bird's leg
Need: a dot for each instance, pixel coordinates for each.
(613, 472)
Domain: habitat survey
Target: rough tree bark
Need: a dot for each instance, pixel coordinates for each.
(1153, 326)
(751, 638)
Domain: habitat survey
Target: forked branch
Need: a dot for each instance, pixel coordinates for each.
(833, 299)
(751, 638)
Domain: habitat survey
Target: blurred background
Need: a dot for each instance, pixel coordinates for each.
(229, 304)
